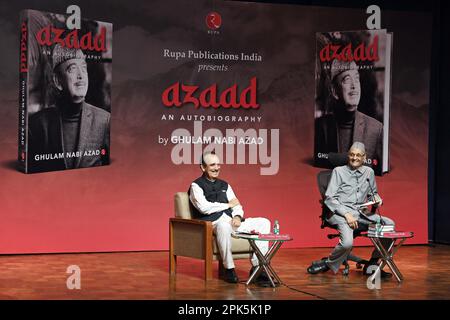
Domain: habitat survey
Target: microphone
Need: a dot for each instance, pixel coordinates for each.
(373, 199)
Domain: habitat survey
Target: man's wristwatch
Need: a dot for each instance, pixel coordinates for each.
(240, 218)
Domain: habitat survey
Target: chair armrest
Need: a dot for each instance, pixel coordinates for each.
(191, 237)
(191, 221)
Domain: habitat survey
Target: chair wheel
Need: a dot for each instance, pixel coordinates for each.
(345, 272)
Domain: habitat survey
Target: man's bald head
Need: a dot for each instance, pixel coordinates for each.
(209, 158)
(210, 166)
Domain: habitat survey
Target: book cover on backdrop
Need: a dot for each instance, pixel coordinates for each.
(64, 93)
(352, 100)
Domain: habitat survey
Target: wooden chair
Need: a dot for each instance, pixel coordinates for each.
(194, 238)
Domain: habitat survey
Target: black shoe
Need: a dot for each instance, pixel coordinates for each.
(230, 276)
(384, 274)
(262, 277)
(318, 267)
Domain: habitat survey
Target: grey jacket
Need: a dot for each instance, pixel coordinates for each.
(366, 129)
(46, 138)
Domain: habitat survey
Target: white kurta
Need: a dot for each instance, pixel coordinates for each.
(222, 226)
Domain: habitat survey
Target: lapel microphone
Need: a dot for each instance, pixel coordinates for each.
(377, 209)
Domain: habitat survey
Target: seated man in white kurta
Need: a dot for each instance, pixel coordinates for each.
(214, 200)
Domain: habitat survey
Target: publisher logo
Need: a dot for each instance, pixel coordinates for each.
(375, 162)
(103, 152)
(213, 21)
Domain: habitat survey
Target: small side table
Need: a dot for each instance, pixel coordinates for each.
(276, 241)
(387, 256)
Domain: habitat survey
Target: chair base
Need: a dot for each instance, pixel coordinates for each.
(360, 263)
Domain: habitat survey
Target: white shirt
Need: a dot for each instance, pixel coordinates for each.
(205, 207)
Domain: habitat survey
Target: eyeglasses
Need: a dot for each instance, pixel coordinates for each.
(358, 155)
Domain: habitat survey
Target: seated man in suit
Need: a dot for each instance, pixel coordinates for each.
(349, 186)
(336, 131)
(74, 130)
(214, 200)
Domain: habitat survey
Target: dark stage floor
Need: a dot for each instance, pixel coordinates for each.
(144, 275)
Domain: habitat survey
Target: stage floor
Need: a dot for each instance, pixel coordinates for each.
(144, 275)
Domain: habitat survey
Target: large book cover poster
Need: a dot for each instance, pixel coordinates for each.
(64, 92)
(352, 96)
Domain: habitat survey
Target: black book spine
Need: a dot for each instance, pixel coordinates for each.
(23, 93)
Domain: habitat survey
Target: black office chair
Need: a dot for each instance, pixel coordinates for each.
(323, 178)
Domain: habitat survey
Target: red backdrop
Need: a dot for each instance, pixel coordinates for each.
(126, 206)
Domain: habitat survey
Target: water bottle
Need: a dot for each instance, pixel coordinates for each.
(276, 227)
(378, 229)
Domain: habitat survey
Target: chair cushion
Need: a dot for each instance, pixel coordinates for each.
(182, 206)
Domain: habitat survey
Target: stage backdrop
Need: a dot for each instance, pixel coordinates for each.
(265, 54)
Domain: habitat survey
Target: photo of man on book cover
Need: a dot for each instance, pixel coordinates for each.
(69, 121)
(350, 103)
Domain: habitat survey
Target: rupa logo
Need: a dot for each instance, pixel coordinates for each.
(213, 22)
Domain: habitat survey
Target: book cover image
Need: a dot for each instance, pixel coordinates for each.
(352, 101)
(64, 92)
